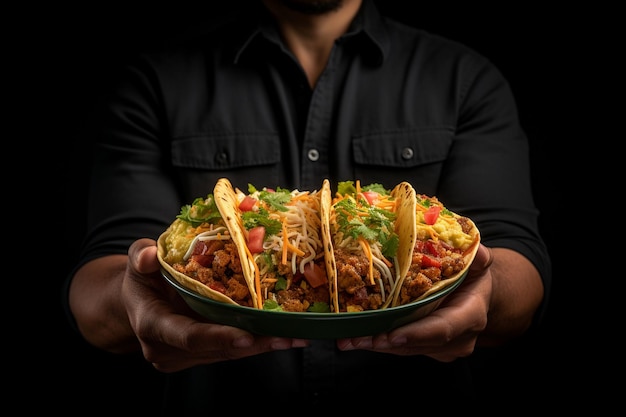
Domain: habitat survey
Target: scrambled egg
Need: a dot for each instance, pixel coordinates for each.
(446, 228)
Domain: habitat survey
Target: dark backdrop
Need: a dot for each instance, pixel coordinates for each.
(84, 49)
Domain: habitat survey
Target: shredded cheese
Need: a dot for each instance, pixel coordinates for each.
(211, 234)
(299, 241)
(285, 244)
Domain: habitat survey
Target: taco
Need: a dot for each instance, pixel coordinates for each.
(199, 249)
(367, 249)
(282, 239)
(443, 246)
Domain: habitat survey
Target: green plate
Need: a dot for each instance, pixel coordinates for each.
(310, 325)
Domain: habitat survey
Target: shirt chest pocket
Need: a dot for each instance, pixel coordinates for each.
(415, 155)
(406, 148)
(200, 161)
(225, 151)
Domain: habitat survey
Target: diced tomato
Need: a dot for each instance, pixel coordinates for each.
(370, 196)
(315, 275)
(256, 235)
(247, 203)
(208, 247)
(431, 248)
(427, 262)
(199, 248)
(204, 260)
(431, 215)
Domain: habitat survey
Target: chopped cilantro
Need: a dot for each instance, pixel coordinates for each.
(261, 218)
(271, 305)
(424, 202)
(319, 307)
(277, 199)
(390, 244)
(281, 284)
(348, 188)
(375, 225)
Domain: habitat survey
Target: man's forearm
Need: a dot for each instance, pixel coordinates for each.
(95, 301)
(517, 293)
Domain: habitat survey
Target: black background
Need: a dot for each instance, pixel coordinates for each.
(77, 54)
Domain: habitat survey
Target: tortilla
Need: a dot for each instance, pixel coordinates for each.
(366, 249)
(282, 238)
(404, 193)
(183, 252)
(226, 200)
(441, 251)
(329, 259)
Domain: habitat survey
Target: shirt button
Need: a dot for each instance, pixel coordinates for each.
(221, 157)
(407, 153)
(313, 155)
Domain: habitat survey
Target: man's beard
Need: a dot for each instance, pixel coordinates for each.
(313, 6)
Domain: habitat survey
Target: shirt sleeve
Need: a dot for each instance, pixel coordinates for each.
(488, 171)
(132, 192)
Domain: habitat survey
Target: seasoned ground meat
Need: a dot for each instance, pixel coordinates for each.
(299, 296)
(361, 299)
(351, 270)
(216, 264)
(432, 261)
(355, 291)
(415, 284)
(284, 270)
(237, 289)
(292, 304)
(296, 298)
(452, 264)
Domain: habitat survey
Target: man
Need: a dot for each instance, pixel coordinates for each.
(291, 93)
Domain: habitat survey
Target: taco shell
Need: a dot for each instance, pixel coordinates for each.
(453, 230)
(329, 257)
(226, 200)
(403, 196)
(174, 242)
(174, 236)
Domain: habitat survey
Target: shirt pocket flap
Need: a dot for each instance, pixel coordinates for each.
(404, 149)
(225, 151)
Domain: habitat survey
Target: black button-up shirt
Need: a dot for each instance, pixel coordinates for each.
(394, 103)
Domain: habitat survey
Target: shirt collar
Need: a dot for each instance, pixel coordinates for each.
(367, 34)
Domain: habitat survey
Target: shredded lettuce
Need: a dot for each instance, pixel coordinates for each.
(200, 211)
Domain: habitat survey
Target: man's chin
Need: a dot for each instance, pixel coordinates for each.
(313, 6)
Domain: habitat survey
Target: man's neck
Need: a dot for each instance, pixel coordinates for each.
(311, 36)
